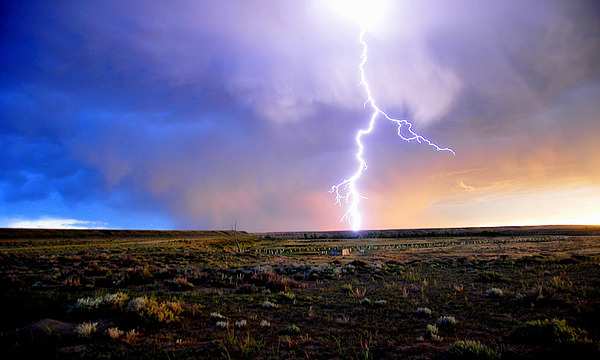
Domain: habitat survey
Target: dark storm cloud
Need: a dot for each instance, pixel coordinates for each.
(219, 111)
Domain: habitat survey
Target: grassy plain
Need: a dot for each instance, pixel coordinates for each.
(513, 293)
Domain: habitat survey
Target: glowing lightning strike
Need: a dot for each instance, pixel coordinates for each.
(346, 190)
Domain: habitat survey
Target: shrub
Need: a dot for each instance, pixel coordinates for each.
(548, 332)
(358, 293)
(114, 333)
(292, 330)
(72, 282)
(423, 312)
(86, 329)
(131, 336)
(137, 304)
(284, 296)
(268, 305)
(216, 316)
(102, 302)
(471, 350)
(222, 324)
(241, 323)
(446, 322)
(163, 312)
(87, 304)
(431, 332)
(495, 293)
(116, 299)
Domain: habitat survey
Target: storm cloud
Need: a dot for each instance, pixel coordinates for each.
(144, 114)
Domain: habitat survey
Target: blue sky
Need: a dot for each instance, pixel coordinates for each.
(196, 115)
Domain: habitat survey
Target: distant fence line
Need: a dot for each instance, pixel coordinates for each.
(364, 248)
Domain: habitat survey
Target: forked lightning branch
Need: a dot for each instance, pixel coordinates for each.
(346, 192)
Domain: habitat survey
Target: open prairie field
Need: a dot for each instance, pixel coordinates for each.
(509, 293)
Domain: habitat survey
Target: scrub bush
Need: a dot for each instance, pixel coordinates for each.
(471, 350)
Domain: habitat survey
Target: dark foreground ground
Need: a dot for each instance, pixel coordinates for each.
(510, 293)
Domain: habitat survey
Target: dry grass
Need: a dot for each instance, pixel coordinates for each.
(172, 292)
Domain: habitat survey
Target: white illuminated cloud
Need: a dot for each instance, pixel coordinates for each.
(366, 13)
(50, 223)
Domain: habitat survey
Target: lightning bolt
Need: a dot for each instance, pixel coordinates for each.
(346, 190)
